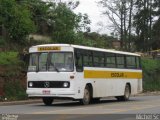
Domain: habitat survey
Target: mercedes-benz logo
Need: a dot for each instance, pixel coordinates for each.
(46, 84)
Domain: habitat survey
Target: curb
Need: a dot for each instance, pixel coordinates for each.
(155, 93)
(20, 102)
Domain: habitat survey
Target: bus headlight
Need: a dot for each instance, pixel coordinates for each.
(65, 84)
(30, 84)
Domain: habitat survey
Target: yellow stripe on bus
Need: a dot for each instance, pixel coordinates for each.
(111, 74)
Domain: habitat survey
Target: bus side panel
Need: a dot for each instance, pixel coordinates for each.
(80, 84)
(113, 87)
(108, 87)
(103, 87)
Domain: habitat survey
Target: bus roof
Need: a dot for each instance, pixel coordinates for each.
(87, 48)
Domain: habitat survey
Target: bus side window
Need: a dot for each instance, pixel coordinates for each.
(90, 59)
(131, 62)
(95, 59)
(120, 61)
(79, 63)
(87, 58)
(138, 62)
(110, 60)
(98, 59)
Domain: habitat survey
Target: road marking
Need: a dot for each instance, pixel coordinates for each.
(48, 112)
(106, 111)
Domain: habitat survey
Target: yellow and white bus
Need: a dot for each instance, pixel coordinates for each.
(82, 73)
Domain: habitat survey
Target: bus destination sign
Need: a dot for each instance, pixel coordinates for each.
(49, 48)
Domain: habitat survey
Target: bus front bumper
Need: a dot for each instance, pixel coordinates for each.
(50, 93)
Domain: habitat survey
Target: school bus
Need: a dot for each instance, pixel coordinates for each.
(82, 73)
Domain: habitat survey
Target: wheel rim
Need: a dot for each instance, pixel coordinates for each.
(127, 92)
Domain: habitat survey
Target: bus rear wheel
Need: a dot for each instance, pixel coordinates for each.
(126, 95)
(86, 97)
(47, 101)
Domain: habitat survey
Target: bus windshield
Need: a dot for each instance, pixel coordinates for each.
(54, 61)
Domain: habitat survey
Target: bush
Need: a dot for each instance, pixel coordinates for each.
(14, 90)
(9, 58)
(2, 42)
(10, 64)
(11, 69)
(151, 77)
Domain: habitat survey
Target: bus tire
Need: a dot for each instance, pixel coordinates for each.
(86, 97)
(126, 95)
(47, 101)
(95, 100)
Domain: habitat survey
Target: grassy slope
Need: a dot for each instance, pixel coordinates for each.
(12, 79)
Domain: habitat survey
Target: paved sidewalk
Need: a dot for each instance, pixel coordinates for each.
(30, 101)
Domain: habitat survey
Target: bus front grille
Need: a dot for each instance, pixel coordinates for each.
(48, 84)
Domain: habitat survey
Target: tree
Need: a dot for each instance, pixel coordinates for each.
(143, 22)
(42, 15)
(156, 33)
(16, 21)
(67, 24)
(99, 40)
(120, 14)
(64, 24)
(19, 18)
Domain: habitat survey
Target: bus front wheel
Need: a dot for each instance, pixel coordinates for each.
(47, 100)
(86, 97)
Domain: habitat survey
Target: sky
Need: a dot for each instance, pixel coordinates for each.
(99, 22)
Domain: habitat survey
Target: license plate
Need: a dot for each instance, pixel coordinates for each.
(46, 92)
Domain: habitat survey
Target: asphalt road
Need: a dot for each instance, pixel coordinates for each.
(138, 107)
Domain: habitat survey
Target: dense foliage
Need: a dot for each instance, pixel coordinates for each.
(8, 58)
(151, 76)
(14, 90)
(12, 77)
(15, 22)
(20, 18)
